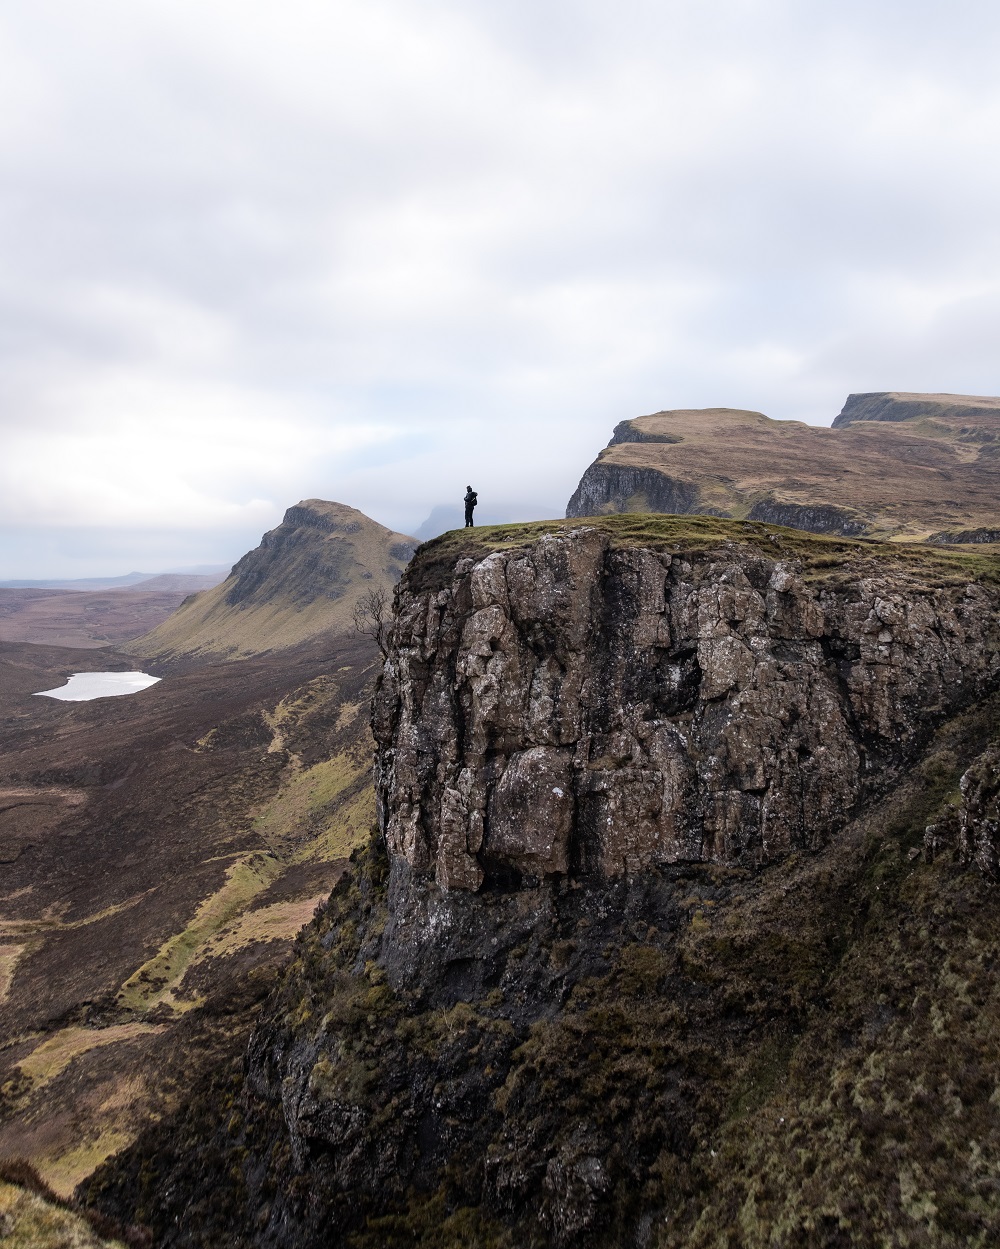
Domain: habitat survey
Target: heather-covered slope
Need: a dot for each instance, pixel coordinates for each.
(158, 853)
(893, 466)
(521, 1021)
(300, 584)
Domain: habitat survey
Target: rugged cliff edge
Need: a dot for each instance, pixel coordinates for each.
(892, 466)
(677, 929)
(580, 704)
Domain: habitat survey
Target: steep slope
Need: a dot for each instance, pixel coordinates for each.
(679, 930)
(299, 585)
(892, 466)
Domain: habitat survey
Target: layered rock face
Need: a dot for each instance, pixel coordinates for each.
(976, 413)
(574, 706)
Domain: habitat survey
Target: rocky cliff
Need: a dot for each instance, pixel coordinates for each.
(650, 946)
(972, 414)
(587, 706)
(892, 466)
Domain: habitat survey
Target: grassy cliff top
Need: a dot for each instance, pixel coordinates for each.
(817, 556)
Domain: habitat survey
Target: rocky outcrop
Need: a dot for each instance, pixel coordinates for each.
(950, 537)
(576, 706)
(893, 405)
(834, 520)
(631, 431)
(622, 488)
(970, 828)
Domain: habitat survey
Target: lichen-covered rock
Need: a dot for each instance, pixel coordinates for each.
(971, 828)
(574, 706)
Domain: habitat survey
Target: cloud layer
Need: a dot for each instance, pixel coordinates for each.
(372, 251)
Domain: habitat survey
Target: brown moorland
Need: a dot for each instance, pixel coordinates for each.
(159, 852)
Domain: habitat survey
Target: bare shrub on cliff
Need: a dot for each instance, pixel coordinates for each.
(371, 617)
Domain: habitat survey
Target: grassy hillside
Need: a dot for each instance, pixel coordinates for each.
(901, 473)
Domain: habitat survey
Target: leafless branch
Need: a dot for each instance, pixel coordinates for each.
(371, 617)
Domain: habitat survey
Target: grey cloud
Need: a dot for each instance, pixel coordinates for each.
(367, 251)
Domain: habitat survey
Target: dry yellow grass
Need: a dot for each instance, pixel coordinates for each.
(27, 1221)
(56, 1052)
(9, 955)
(159, 978)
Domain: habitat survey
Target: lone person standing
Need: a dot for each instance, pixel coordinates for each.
(471, 499)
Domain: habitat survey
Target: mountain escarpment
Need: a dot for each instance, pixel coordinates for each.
(892, 466)
(651, 929)
(299, 586)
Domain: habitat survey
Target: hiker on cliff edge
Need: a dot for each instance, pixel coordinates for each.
(471, 499)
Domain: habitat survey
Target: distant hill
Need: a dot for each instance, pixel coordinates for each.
(188, 581)
(894, 465)
(91, 620)
(179, 582)
(301, 583)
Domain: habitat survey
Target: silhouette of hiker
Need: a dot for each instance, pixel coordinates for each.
(471, 499)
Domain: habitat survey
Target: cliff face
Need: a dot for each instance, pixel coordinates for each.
(979, 414)
(579, 706)
(892, 466)
(652, 931)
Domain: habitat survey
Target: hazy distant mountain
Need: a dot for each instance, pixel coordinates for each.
(190, 580)
(302, 582)
(185, 583)
(894, 465)
(80, 583)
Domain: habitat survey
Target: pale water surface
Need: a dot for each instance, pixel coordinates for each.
(85, 685)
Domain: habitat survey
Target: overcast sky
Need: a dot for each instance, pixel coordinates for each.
(373, 250)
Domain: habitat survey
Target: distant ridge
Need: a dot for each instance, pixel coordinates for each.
(979, 411)
(188, 580)
(894, 465)
(300, 583)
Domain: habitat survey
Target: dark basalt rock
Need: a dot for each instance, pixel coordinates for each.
(574, 707)
(818, 519)
(614, 487)
(957, 536)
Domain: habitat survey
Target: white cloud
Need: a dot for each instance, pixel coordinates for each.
(370, 250)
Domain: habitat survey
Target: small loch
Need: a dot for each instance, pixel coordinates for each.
(83, 686)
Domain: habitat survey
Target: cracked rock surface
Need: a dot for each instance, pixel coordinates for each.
(573, 706)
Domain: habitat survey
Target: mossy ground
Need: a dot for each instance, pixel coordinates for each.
(819, 556)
